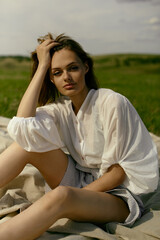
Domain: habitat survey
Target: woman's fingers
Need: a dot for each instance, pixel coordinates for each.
(43, 51)
(48, 43)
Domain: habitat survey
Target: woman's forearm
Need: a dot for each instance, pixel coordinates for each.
(111, 179)
(28, 104)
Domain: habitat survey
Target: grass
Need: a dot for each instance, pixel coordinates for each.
(14, 78)
(135, 76)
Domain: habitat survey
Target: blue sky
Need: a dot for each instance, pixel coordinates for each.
(101, 26)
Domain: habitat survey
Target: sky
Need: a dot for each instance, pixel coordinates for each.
(100, 26)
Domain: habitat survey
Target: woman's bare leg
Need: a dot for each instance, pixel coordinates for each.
(76, 204)
(12, 163)
(51, 164)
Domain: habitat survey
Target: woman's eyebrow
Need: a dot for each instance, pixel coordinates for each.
(66, 65)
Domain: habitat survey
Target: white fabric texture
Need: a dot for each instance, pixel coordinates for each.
(106, 130)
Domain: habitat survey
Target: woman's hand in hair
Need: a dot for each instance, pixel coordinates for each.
(28, 104)
(43, 52)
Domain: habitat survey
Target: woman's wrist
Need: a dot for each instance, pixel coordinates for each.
(114, 177)
(28, 104)
(42, 67)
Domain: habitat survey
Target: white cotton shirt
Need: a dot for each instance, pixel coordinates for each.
(107, 130)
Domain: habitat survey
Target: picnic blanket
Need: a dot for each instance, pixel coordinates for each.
(29, 186)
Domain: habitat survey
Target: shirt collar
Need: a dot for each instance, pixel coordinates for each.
(84, 104)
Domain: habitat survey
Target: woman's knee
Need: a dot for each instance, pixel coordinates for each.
(61, 193)
(22, 153)
(15, 152)
(61, 197)
(27, 156)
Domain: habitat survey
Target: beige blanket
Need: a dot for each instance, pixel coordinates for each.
(29, 186)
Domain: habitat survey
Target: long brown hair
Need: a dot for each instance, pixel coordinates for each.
(49, 92)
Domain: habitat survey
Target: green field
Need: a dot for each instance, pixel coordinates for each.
(135, 76)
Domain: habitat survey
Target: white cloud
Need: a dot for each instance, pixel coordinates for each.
(154, 25)
(101, 26)
(154, 20)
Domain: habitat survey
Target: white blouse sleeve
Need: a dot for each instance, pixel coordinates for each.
(35, 134)
(128, 143)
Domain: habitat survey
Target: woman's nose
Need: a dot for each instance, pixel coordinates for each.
(66, 76)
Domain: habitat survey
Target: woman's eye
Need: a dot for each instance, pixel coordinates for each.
(57, 73)
(73, 68)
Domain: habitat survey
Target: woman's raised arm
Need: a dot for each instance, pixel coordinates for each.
(28, 104)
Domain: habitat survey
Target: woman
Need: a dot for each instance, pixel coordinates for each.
(89, 144)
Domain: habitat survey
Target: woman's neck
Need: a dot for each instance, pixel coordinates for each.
(78, 100)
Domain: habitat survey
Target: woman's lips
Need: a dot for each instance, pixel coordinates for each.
(69, 86)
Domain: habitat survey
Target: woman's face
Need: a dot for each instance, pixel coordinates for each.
(68, 73)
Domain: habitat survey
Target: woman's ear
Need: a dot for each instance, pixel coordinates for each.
(51, 76)
(86, 67)
(52, 81)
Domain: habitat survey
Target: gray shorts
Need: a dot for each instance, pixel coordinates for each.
(75, 178)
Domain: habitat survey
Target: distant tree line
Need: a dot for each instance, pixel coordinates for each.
(18, 58)
(115, 59)
(142, 60)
